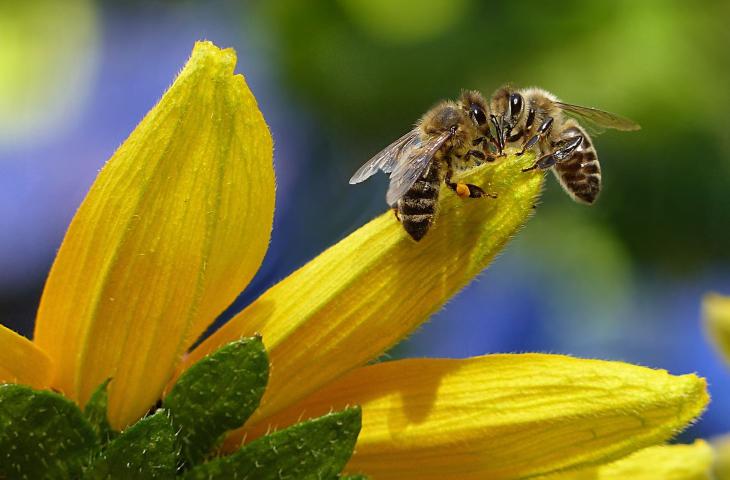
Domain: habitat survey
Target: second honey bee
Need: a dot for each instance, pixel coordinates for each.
(533, 117)
(449, 137)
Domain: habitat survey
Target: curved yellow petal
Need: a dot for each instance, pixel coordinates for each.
(716, 312)
(370, 290)
(662, 462)
(721, 448)
(173, 228)
(501, 416)
(22, 362)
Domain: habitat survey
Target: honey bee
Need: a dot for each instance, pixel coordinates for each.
(451, 136)
(536, 118)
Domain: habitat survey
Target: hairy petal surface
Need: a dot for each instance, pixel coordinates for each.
(21, 361)
(501, 416)
(721, 449)
(174, 227)
(373, 288)
(661, 462)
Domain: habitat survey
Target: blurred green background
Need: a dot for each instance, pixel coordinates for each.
(339, 80)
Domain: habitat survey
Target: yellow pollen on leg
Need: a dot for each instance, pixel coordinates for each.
(462, 190)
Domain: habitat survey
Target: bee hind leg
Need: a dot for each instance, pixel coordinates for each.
(466, 190)
(473, 191)
(565, 150)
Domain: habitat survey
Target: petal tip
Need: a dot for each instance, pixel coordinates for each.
(206, 52)
(715, 306)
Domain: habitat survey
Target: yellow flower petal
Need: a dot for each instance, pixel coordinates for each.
(721, 446)
(716, 310)
(21, 361)
(363, 295)
(501, 416)
(174, 227)
(662, 462)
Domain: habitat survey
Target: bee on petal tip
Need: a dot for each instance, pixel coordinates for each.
(534, 118)
(450, 137)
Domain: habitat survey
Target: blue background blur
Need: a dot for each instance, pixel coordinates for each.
(339, 80)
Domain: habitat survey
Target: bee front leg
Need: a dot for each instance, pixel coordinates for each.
(485, 154)
(491, 144)
(499, 136)
(481, 156)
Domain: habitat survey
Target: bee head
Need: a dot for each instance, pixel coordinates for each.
(499, 103)
(507, 104)
(441, 118)
(444, 117)
(516, 104)
(475, 107)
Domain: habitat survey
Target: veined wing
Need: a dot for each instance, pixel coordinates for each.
(407, 171)
(599, 117)
(387, 159)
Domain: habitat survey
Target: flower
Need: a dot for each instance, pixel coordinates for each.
(176, 225)
(716, 317)
(716, 309)
(662, 462)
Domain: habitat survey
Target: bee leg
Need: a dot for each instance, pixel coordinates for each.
(506, 131)
(499, 140)
(565, 150)
(395, 212)
(542, 132)
(495, 146)
(459, 188)
(475, 153)
(465, 190)
(475, 192)
(485, 149)
(479, 155)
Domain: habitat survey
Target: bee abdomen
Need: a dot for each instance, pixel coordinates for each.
(424, 189)
(417, 208)
(417, 225)
(581, 176)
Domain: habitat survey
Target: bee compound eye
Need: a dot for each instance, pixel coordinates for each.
(515, 104)
(478, 114)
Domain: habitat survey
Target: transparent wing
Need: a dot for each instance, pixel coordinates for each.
(407, 171)
(599, 117)
(386, 160)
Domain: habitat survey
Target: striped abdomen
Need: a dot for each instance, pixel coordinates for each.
(417, 208)
(579, 174)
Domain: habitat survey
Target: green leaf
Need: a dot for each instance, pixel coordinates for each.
(42, 434)
(315, 449)
(217, 394)
(144, 450)
(95, 412)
